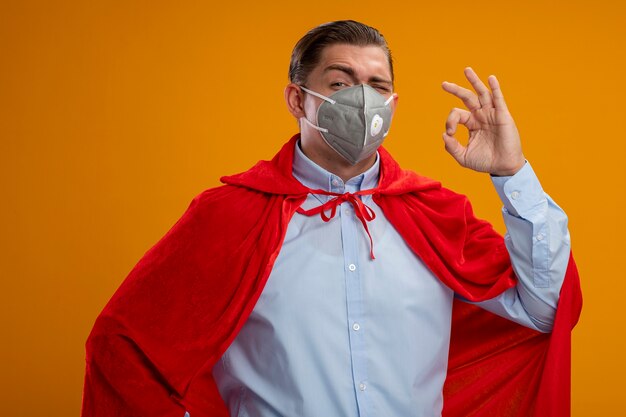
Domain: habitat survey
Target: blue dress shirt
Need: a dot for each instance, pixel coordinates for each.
(337, 334)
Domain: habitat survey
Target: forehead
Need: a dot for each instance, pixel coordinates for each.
(366, 61)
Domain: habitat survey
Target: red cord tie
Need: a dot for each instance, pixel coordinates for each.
(363, 212)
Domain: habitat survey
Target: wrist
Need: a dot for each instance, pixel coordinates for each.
(509, 172)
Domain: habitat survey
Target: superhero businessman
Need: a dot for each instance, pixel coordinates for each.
(331, 282)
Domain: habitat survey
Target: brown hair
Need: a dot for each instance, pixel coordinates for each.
(306, 53)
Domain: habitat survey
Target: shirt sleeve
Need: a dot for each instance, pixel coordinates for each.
(538, 243)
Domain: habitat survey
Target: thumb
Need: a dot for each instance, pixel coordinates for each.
(454, 148)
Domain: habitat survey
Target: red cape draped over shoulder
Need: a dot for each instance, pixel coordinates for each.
(153, 347)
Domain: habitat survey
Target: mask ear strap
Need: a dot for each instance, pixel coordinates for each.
(386, 103)
(318, 95)
(390, 98)
(321, 129)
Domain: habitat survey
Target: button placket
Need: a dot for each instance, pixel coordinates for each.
(351, 236)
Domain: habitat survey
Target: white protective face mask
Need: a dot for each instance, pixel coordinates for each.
(353, 121)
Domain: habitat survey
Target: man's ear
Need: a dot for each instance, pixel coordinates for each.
(294, 98)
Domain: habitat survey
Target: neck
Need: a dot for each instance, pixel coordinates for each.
(332, 162)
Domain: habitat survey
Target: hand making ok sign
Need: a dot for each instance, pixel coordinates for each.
(494, 144)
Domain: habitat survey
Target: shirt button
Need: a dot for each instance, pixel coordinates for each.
(540, 236)
(356, 327)
(515, 195)
(335, 182)
(362, 386)
(352, 267)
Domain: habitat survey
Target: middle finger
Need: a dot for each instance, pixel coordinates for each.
(484, 95)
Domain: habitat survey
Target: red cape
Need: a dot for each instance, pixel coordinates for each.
(153, 347)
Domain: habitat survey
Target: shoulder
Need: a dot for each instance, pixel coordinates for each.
(226, 203)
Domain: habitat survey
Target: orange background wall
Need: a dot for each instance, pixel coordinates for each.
(114, 114)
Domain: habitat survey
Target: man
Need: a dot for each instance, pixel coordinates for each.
(322, 283)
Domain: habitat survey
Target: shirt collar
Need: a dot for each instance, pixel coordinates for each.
(315, 177)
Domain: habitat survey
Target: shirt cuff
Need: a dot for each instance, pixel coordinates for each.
(521, 194)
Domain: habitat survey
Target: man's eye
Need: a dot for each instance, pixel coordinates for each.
(339, 84)
(381, 88)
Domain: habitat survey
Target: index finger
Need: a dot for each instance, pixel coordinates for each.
(467, 97)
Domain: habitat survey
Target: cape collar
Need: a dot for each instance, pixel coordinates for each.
(276, 176)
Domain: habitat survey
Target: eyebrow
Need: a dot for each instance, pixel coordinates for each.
(350, 71)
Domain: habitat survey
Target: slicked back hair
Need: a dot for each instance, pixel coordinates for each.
(306, 54)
